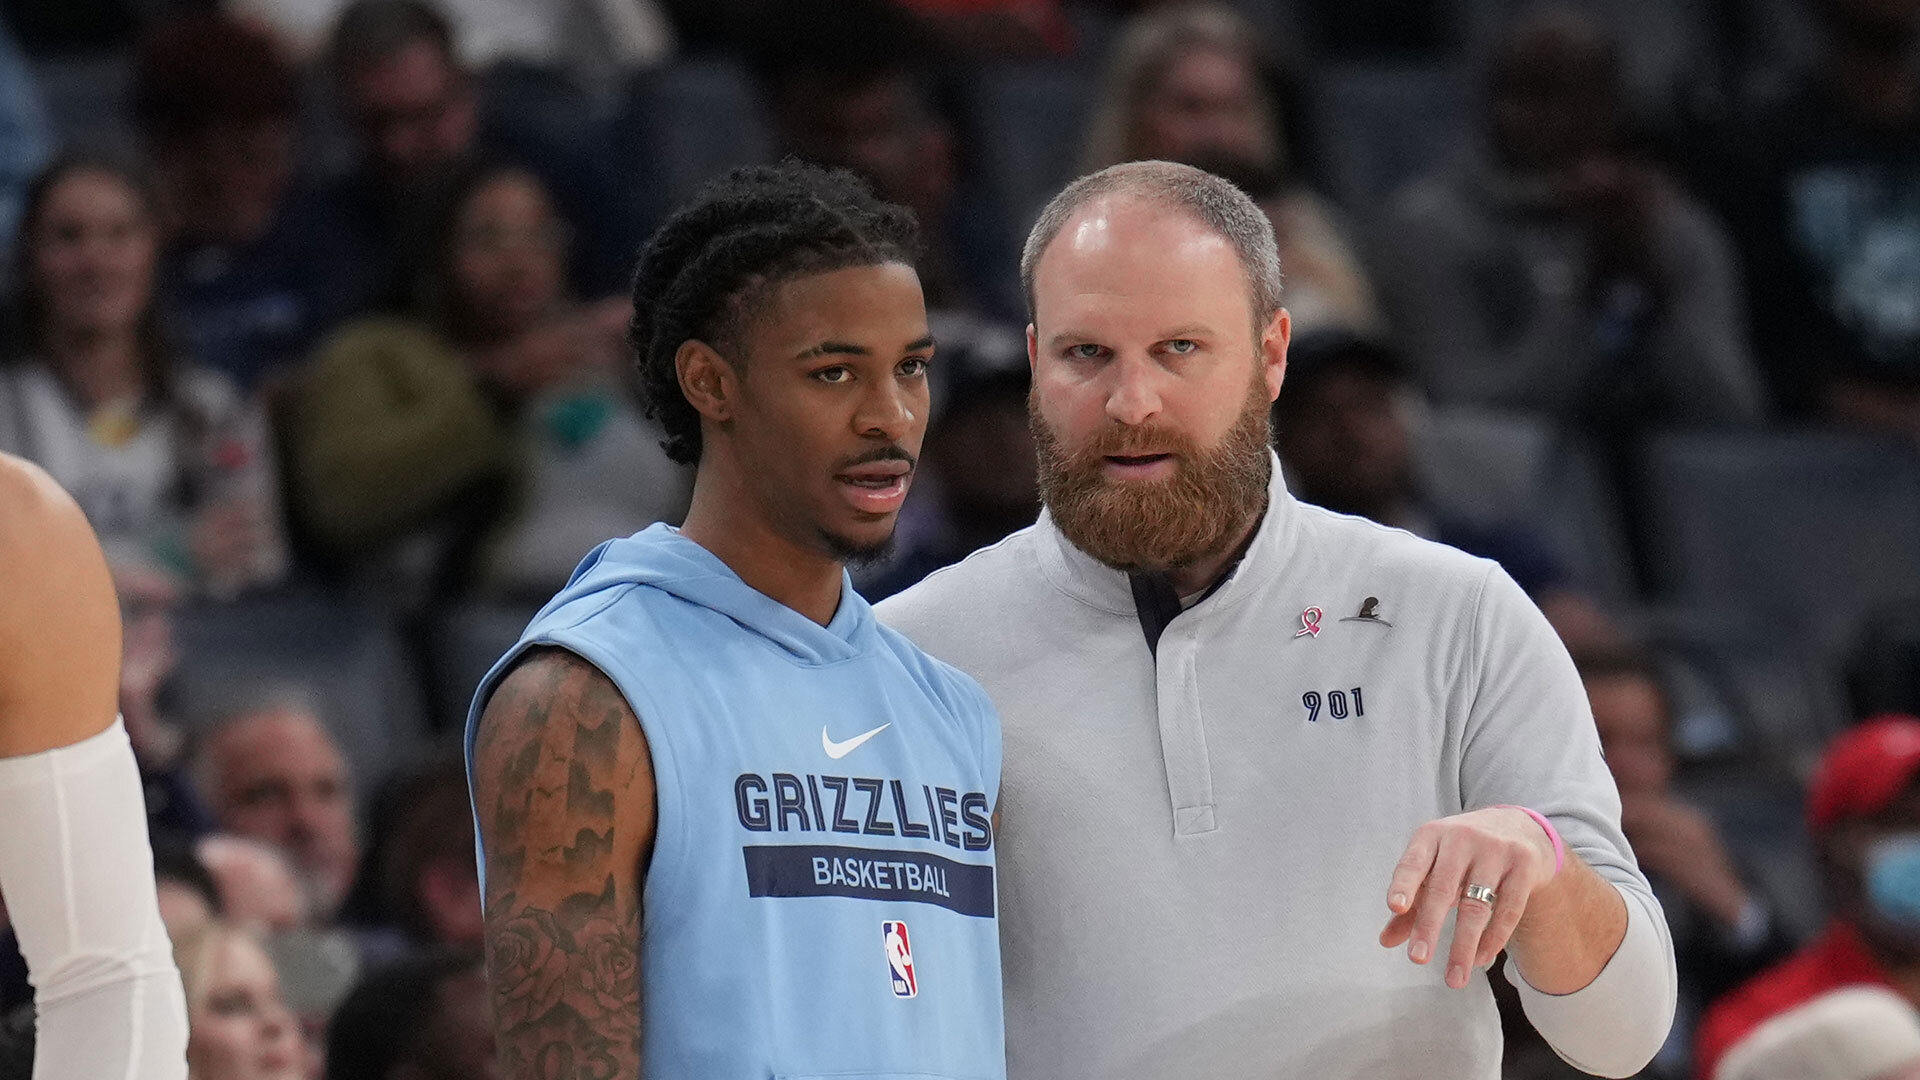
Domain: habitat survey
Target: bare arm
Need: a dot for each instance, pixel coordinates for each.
(59, 620)
(107, 995)
(1571, 928)
(564, 786)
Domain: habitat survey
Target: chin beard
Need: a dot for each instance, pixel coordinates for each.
(856, 555)
(1165, 525)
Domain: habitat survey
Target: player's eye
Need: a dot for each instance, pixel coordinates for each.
(913, 366)
(1086, 351)
(833, 375)
(1183, 346)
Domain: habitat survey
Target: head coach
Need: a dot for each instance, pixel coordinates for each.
(1258, 755)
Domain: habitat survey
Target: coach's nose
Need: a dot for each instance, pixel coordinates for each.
(1134, 396)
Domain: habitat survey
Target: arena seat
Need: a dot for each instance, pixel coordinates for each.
(684, 123)
(463, 643)
(1493, 467)
(87, 101)
(1810, 530)
(1378, 126)
(347, 658)
(1028, 123)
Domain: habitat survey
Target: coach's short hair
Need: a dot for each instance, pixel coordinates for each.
(1206, 198)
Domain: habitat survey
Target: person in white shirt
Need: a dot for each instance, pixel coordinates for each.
(1243, 733)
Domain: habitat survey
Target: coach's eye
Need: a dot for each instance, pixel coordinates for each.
(833, 375)
(1086, 352)
(1182, 346)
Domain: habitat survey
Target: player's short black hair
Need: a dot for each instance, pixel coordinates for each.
(714, 258)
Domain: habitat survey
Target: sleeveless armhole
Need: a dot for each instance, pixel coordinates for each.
(670, 833)
(670, 839)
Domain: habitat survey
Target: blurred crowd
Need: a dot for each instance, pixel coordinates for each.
(318, 308)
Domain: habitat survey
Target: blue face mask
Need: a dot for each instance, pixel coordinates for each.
(1893, 879)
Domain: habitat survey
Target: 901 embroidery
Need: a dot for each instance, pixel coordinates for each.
(1338, 703)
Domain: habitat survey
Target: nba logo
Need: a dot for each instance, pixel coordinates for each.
(900, 960)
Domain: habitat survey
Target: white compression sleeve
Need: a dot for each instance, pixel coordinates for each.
(76, 869)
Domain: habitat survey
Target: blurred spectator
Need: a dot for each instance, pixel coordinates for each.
(1192, 83)
(416, 112)
(977, 467)
(170, 464)
(996, 28)
(1864, 812)
(25, 136)
(243, 276)
(584, 39)
(189, 895)
(1883, 666)
(1420, 30)
(1821, 182)
(1554, 270)
(428, 882)
(274, 773)
(148, 659)
(261, 895)
(255, 884)
(1341, 427)
(492, 429)
(425, 1018)
(864, 108)
(1860, 1033)
(241, 1026)
(1724, 930)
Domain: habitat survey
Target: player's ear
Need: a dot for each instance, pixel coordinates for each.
(706, 379)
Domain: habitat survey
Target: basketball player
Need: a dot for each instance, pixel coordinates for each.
(718, 804)
(75, 866)
(1250, 741)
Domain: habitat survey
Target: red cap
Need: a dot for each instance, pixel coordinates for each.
(1865, 770)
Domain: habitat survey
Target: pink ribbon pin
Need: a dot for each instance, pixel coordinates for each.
(1309, 622)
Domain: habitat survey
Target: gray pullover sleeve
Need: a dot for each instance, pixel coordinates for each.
(1530, 741)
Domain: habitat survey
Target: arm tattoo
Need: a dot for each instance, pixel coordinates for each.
(566, 805)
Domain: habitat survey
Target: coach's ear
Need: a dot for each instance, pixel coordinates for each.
(1273, 351)
(706, 379)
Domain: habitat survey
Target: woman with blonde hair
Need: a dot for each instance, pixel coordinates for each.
(1192, 83)
(241, 1028)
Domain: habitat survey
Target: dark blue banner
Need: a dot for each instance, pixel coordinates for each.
(870, 874)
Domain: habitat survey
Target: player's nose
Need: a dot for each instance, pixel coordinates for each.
(886, 411)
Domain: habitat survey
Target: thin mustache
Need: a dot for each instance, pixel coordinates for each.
(880, 453)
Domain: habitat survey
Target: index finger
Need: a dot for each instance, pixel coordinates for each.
(1412, 869)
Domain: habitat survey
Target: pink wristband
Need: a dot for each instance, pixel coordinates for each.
(1559, 849)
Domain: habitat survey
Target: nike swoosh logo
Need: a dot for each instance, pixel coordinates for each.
(838, 750)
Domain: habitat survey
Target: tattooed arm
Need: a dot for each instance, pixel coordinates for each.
(564, 786)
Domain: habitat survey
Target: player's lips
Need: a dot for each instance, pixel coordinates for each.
(1137, 466)
(877, 487)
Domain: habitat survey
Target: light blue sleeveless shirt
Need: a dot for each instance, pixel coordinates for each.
(821, 897)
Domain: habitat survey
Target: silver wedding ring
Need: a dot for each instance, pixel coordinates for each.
(1480, 893)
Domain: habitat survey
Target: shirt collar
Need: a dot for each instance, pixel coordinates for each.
(1091, 582)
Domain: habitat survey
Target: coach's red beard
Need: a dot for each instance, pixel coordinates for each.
(1155, 526)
